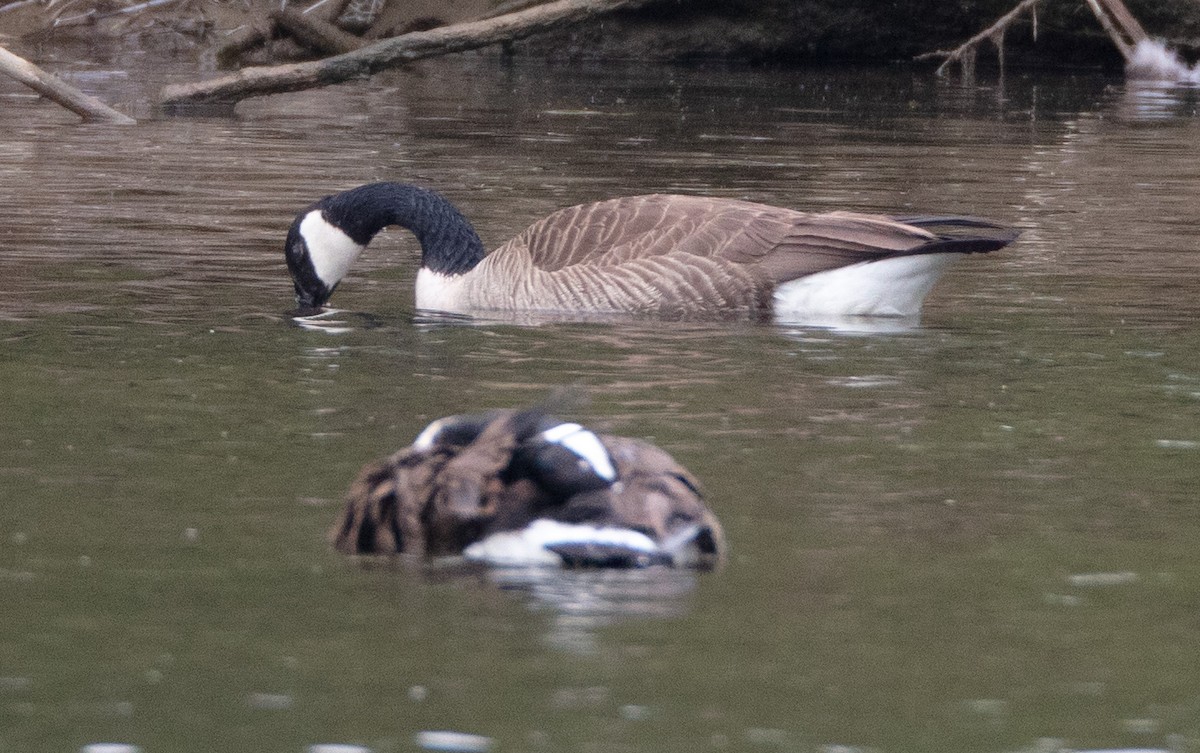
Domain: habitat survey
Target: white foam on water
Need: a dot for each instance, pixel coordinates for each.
(1100, 580)
(1153, 61)
(454, 741)
(1177, 444)
(270, 701)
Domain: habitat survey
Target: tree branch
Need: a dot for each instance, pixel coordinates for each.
(965, 53)
(390, 53)
(59, 91)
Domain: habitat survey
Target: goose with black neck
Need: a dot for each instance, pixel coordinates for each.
(663, 255)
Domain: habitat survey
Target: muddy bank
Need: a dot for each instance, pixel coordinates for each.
(787, 31)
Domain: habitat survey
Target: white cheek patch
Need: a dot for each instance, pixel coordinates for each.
(330, 250)
(529, 546)
(586, 445)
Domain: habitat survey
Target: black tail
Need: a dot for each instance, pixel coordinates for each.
(960, 235)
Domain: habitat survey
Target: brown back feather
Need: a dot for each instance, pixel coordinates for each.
(782, 244)
(436, 502)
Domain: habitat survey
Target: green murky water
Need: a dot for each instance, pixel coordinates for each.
(976, 535)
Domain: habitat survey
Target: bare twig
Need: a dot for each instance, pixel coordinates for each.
(18, 4)
(327, 10)
(965, 53)
(1118, 22)
(512, 6)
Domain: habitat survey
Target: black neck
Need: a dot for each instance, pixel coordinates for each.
(449, 245)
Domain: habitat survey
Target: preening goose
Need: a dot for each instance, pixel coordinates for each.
(523, 488)
(660, 254)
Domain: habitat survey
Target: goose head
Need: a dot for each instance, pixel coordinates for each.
(520, 488)
(318, 255)
(327, 237)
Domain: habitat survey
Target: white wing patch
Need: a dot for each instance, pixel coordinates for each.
(586, 445)
(330, 250)
(889, 287)
(528, 546)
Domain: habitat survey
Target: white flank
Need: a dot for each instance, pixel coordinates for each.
(527, 546)
(330, 250)
(889, 287)
(584, 444)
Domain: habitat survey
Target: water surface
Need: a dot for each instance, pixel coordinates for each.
(973, 535)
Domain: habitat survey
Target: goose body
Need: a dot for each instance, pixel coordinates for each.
(659, 254)
(520, 488)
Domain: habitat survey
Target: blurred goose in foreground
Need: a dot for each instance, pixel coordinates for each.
(664, 255)
(521, 488)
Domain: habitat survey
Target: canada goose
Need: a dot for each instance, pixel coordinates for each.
(660, 254)
(522, 488)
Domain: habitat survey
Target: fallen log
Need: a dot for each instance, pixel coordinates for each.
(388, 53)
(256, 31)
(55, 89)
(512, 6)
(259, 29)
(315, 32)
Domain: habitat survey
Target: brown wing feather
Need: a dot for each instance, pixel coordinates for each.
(782, 243)
(438, 501)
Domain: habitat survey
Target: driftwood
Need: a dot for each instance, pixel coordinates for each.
(17, 4)
(314, 32)
(1118, 22)
(59, 91)
(389, 53)
(327, 10)
(260, 29)
(257, 30)
(512, 6)
(93, 15)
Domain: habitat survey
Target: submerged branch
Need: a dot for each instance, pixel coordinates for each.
(59, 91)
